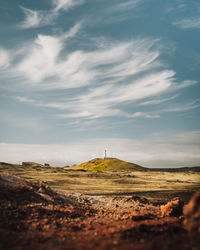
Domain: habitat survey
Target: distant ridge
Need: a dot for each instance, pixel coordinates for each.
(180, 169)
(109, 164)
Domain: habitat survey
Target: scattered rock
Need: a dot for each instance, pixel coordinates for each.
(191, 212)
(172, 208)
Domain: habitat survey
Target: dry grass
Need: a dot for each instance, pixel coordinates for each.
(109, 164)
(156, 185)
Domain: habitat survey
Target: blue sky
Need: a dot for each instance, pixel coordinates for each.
(79, 76)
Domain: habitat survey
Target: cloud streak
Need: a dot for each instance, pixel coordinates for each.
(39, 18)
(114, 63)
(186, 107)
(66, 4)
(111, 77)
(39, 59)
(158, 101)
(5, 58)
(188, 23)
(36, 18)
(127, 4)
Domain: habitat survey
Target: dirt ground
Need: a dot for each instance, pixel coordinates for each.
(33, 216)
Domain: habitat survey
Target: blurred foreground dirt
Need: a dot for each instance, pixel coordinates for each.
(33, 216)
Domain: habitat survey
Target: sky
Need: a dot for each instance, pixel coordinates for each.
(81, 76)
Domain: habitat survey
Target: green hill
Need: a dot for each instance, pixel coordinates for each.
(109, 164)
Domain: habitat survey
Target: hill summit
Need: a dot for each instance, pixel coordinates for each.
(109, 164)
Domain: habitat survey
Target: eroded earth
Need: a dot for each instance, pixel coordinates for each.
(33, 216)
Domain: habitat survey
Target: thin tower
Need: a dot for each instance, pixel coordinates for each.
(105, 154)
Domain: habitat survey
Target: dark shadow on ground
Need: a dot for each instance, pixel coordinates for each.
(161, 194)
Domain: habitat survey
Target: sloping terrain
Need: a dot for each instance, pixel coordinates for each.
(33, 216)
(109, 164)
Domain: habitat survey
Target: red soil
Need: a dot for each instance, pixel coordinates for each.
(33, 216)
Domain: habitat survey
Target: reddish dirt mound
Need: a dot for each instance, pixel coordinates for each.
(192, 214)
(173, 208)
(19, 191)
(36, 217)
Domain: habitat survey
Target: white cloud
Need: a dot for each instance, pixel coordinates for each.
(32, 18)
(158, 101)
(80, 68)
(188, 23)
(113, 75)
(118, 11)
(127, 4)
(186, 107)
(27, 100)
(184, 84)
(177, 150)
(4, 58)
(102, 101)
(145, 115)
(73, 31)
(39, 62)
(66, 4)
(39, 59)
(38, 18)
(93, 106)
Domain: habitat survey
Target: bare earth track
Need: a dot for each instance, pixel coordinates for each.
(34, 216)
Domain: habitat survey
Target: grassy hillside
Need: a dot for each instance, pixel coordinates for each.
(109, 164)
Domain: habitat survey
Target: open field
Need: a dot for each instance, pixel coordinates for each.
(149, 184)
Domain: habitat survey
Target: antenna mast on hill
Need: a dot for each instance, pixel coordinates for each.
(105, 155)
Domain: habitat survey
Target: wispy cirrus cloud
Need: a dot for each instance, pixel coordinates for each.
(158, 101)
(115, 78)
(186, 107)
(115, 63)
(119, 11)
(38, 18)
(145, 115)
(5, 58)
(105, 101)
(66, 4)
(188, 23)
(32, 18)
(39, 58)
(111, 77)
(185, 14)
(127, 4)
(100, 106)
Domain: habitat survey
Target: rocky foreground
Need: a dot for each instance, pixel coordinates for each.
(33, 216)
